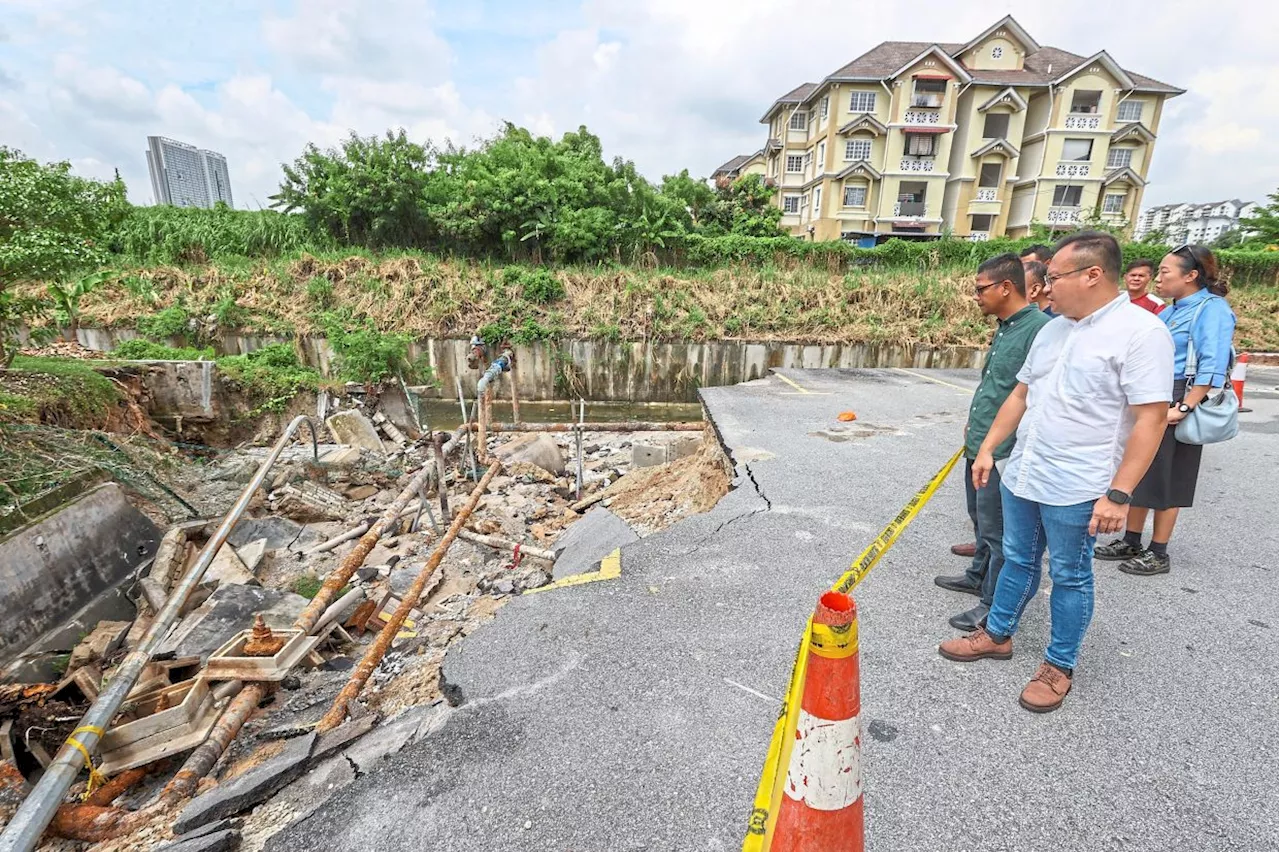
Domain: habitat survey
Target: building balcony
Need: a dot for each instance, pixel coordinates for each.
(987, 193)
(979, 237)
(916, 164)
(1063, 215)
(931, 100)
(921, 117)
(1073, 168)
(909, 209)
(1083, 121)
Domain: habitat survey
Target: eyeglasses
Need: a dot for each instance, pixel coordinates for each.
(1050, 280)
(1190, 250)
(980, 290)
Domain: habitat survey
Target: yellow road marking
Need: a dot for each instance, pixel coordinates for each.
(610, 569)
(935, 381)
(793, 384)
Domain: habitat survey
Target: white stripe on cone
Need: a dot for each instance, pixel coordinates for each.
(1239, 370)
(826, 763)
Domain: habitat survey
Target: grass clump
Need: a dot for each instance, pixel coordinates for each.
(170, 322)
(56, 391)
(306, 585)
(148, 350)
(271, 376)
(365, 354)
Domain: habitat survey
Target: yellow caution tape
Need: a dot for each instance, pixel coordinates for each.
(825, 641)
(96, 778)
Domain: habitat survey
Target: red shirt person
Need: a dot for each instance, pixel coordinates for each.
(1137, 278)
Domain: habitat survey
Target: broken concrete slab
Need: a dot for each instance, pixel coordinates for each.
(536, 448)
(393, 735)
(229, 610)
(589, 540)
(279, 532)
(308, 502)
(361, 492)
(342, 457)
(244, 791)
(227, 568)
(653, 454)
(342, 736)
(251, 554)
(213, 828)
(354, 430)
(218, 841)
(104, 641)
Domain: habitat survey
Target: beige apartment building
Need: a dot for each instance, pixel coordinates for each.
(983, 138)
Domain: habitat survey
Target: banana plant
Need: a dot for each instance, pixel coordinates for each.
(66, 300)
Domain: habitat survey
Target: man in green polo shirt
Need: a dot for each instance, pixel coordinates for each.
(1000, 291)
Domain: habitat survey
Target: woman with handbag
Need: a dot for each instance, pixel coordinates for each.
(1202, 325)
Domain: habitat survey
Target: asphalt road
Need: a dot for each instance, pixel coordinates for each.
(634, 713)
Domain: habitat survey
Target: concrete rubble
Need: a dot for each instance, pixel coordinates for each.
(295, 534)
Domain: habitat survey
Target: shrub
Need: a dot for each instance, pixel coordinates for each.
(272, 375)
(364, 354)
(171, 322)
(147, 350)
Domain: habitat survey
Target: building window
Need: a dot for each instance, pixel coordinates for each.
(790, 204)
(798, 120)
(862, 102)
(1113, 203)
(855, 196)
(920, 144)
(928, 93)
(1086, 102)
(795, 163)
(989, 175)
(825, 103)
(857, 149)
(808, 160)
(817, 203)
(996, 126)
(1129, 111)
(1067, 196)
(1119, 158)
(1077, 149)
(980, 222)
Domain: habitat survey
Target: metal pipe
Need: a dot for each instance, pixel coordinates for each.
(502, 544)
(500, 365)
(482, 434)
(440, 472)
(630, 426)
(338, 539)
(515, 396)
(582, 418)
(373, 656)
(34, 814)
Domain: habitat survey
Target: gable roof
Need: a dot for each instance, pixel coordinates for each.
(1005, 94)
(1137, 129)
(1008, 23)
(733, 164)
(795, 96)
(1104, 59)
(866, 121)
(1125, 173)
(860, 166)
(997, 146)
(886, 58)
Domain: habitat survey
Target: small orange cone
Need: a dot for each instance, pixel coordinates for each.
(821, 807)
(1238, 376)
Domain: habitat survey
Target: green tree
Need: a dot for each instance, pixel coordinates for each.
(744, 207)
(368, 191)
(52, 223)
(1263, 225)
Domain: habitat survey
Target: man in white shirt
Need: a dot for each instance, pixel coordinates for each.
(1090, 409)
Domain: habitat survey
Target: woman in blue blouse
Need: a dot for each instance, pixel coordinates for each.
(1201, 322)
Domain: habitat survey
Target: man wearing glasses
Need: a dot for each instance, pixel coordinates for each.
(1090, 409)
(1000, 291)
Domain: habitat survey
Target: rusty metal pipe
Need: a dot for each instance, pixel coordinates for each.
(630, 426)
(441, 489)
(502, 544)
(198, 764)
(482, 429)
(373, 656)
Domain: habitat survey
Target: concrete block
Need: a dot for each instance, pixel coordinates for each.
(589, 540)
(227, 568)
(354, 430)
(343, 457)
(648, 455)
(249, 789)
(279, 532)
(251, 554)
(63, 561)
(309, 502)
(104, 641)
(536, 448)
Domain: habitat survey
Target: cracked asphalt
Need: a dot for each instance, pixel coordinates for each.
(634, 713)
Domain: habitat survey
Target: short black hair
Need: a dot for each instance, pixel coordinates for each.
(1098, 248)
(1035, 271)
(1005, 267)
(1139, 263)
(1042, 252)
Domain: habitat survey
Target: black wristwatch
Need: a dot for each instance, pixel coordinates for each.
(1183, 408)
(1120, 498)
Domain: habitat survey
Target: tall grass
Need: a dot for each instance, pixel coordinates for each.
(163, 234)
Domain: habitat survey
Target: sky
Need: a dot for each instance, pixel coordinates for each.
(669, 84)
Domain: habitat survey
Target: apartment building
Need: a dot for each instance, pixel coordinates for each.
(1193, 223)
(983, 138)
(186, 176)
(743, 164)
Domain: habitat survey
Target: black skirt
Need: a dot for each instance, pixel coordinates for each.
(1170, 482)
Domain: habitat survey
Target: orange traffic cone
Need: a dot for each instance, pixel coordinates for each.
(1237, 378)
(821, 807)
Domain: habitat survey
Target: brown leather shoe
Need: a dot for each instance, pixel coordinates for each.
(978, 645)
(1046, 690)
(965, 550)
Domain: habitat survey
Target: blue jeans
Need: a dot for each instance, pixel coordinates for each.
(1028, 528)
(985, 511)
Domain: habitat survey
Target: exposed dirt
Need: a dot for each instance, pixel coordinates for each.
(655, 498)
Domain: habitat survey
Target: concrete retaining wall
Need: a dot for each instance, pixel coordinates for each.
(634, 371)
(58, 563)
